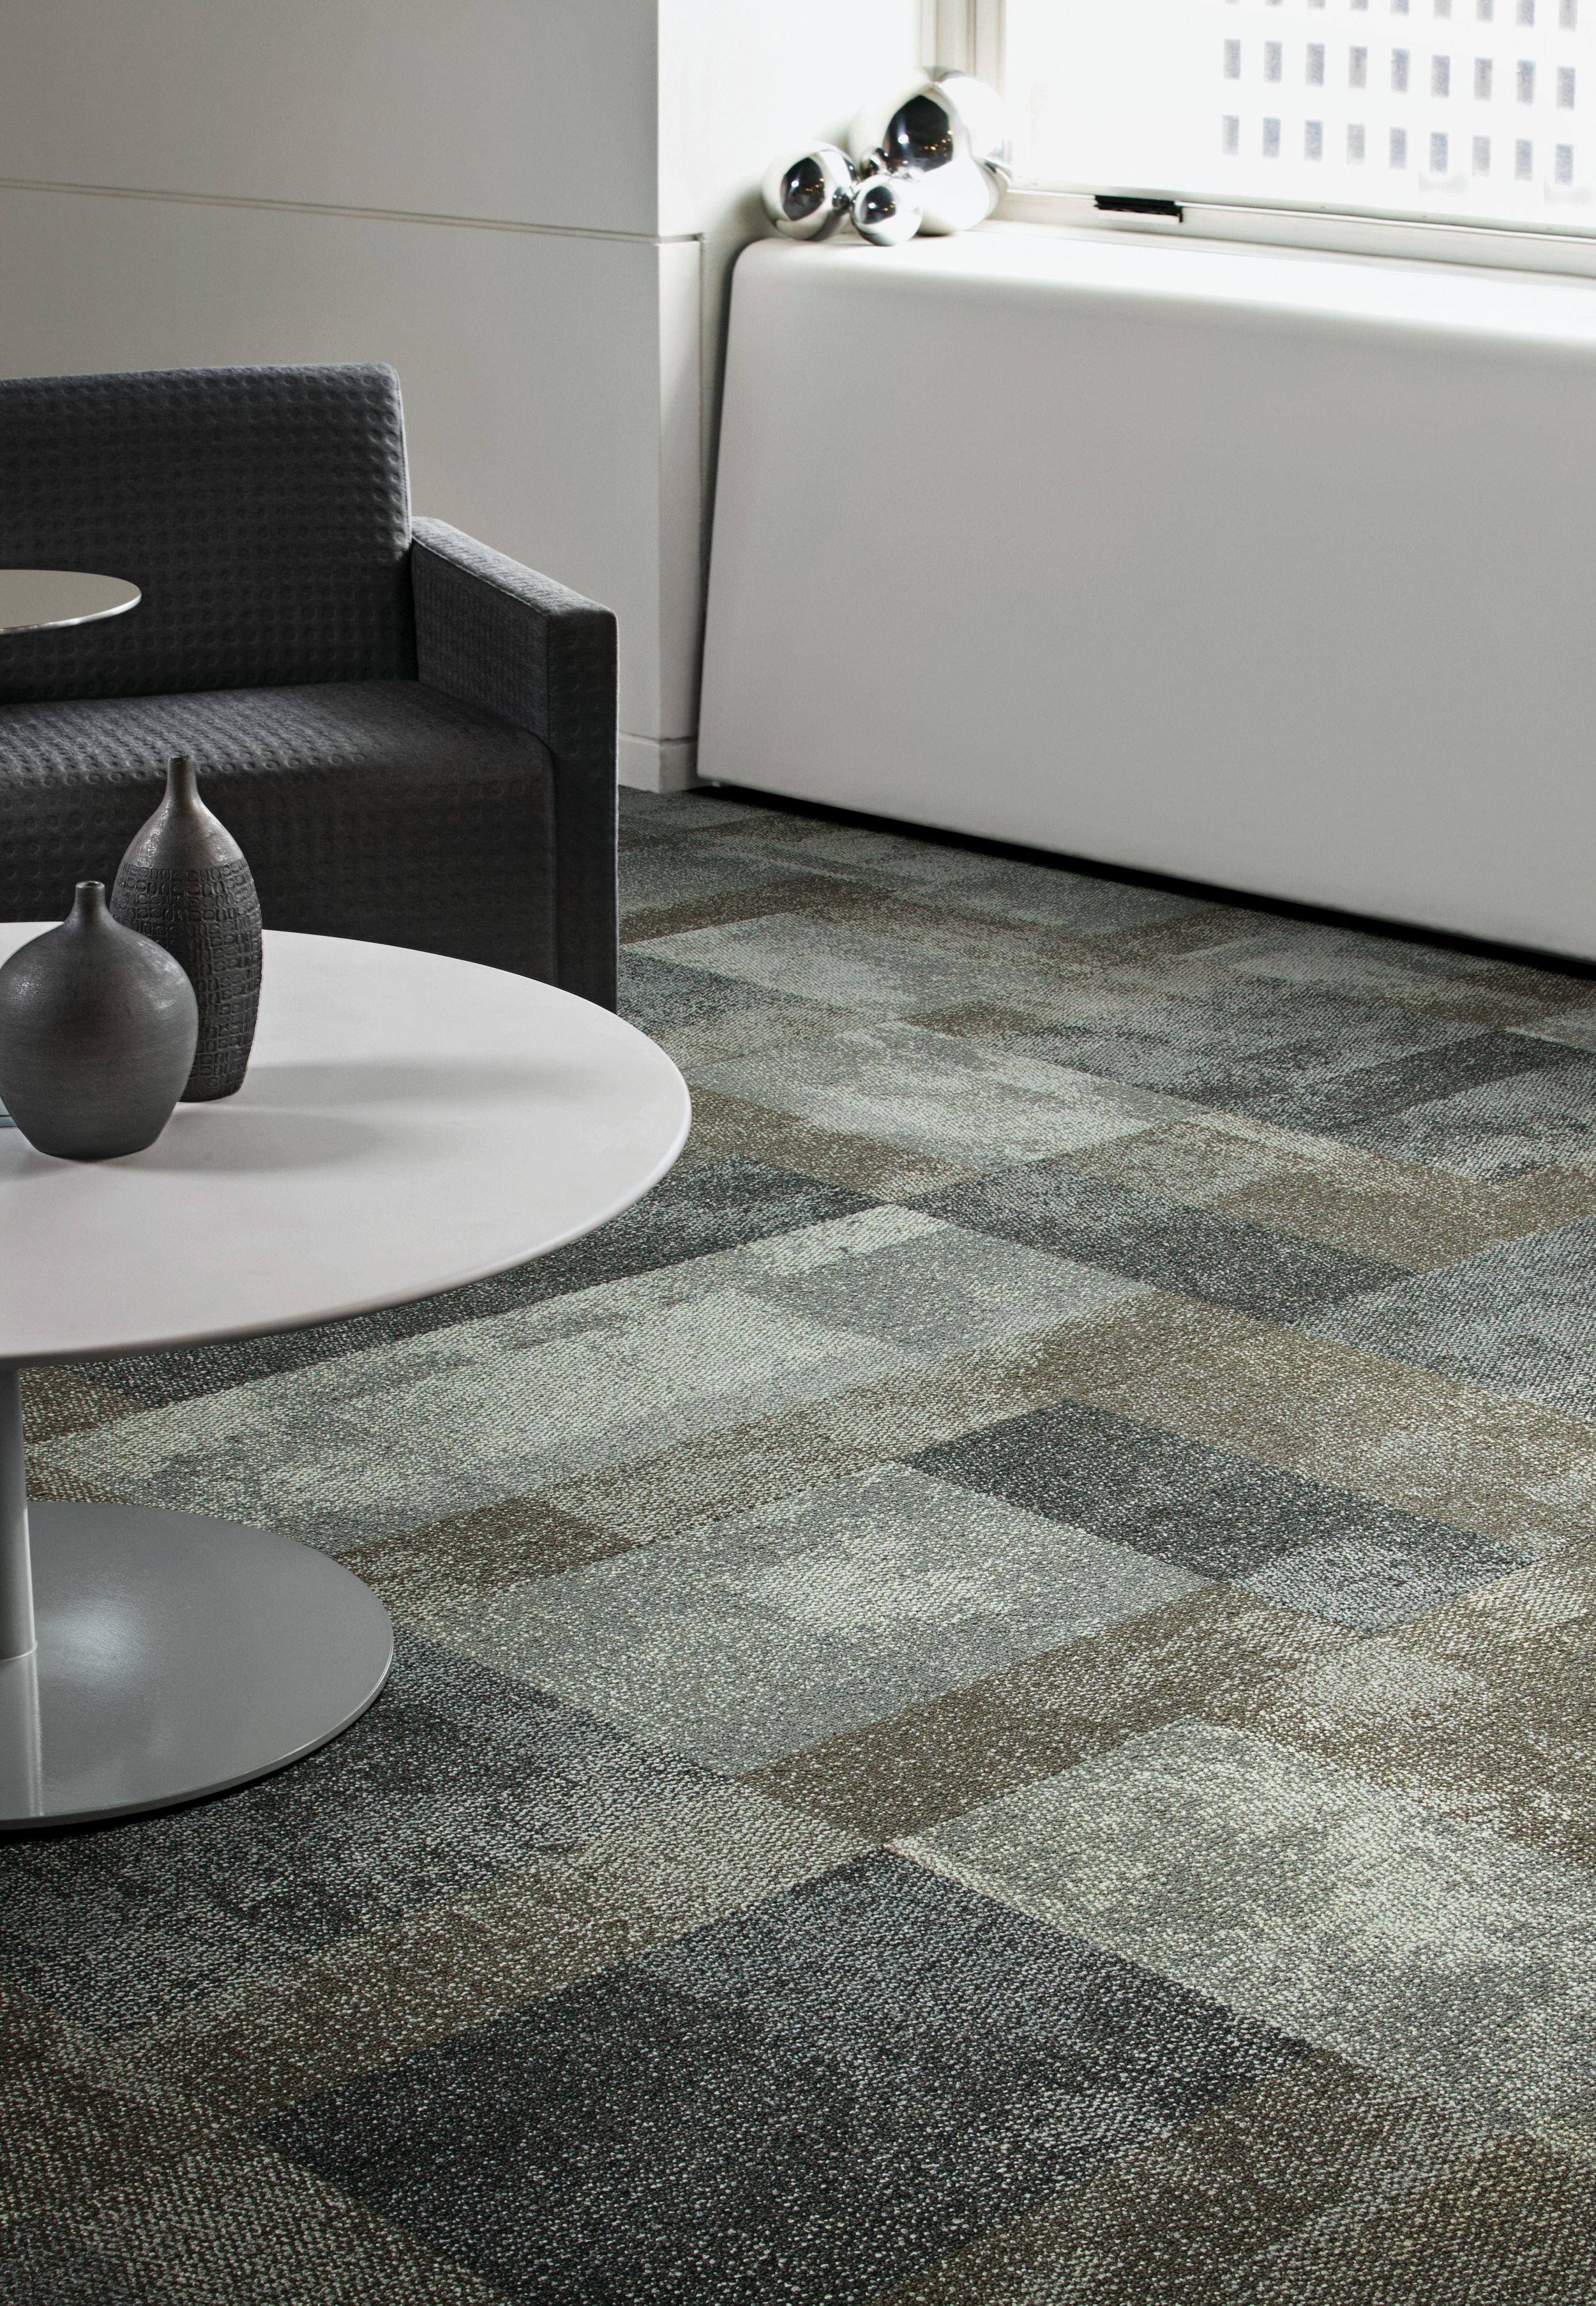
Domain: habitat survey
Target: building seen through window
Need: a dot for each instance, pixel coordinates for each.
(1472, 109)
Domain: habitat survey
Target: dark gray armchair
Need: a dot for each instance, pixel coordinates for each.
(412, 737)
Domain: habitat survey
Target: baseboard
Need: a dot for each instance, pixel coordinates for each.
(662, 765)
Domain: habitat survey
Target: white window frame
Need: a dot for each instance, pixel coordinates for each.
(968, 34)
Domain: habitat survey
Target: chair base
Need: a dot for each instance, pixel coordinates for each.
(177, 1656)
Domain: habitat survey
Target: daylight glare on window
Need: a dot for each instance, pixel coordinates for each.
(1467, 109)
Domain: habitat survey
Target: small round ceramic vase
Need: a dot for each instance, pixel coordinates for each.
(98, 1028)
(184, 882)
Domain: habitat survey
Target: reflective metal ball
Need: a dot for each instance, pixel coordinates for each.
(954, 197)
(982, 122)
(952, 130)
(809, 195)
(887, 207)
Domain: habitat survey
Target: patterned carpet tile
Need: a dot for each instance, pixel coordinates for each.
(1519, 1318)
(379, 1997)
(1439, 1955)
(976, 1105)
(1324, 2186)
(1286, 1539)
(1514, 1121)
(995, 1701)
(1322, 1061)
(772, 1631)
(463, 1416)
(1148, 1238)
(1486, 1709)
(1471, 987)
(1213, 1652)
(229, 2221)
(1316, 1189)
(777, 2090)
(457, 1776)
(698, 1208)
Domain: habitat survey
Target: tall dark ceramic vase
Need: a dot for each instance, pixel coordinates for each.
(184, 882)
(98, 1028)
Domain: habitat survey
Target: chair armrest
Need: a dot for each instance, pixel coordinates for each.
(497, 635)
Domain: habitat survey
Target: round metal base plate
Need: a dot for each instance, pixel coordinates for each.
(176, 1656)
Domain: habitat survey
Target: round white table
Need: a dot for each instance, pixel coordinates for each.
(34, 599)
(408, 1123)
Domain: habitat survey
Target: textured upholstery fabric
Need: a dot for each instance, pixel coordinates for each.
(264, 513)
(491, 632)
(379, 809)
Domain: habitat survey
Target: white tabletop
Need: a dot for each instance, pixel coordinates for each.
(407, 1123)
(32, 600)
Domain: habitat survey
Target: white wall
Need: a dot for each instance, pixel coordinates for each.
(528, 206)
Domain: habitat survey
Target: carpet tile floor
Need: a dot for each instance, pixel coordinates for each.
(996, 1697)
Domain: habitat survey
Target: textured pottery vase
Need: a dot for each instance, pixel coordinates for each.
(184, 882)
(98, 1028)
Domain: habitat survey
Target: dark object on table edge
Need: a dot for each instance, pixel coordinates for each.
(98, 1026)
(184, 884)
(412, 737)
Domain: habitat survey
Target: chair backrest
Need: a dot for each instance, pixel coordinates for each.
(264, 513)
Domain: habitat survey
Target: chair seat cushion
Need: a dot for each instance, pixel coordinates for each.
(370, 809)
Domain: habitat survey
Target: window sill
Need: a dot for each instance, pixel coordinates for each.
(1508, 248)
(1347, 290)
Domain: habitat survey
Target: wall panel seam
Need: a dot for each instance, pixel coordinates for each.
(333, 208)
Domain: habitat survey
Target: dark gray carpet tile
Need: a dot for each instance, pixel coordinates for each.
(1147, 1238)
(40, 2263)
(656, 994)
(1335, 1556)
(646, 817)
(1518, 1320)
(1498, 1129)
(1346, 1103)
(457, 1774)
(1237, 1043)
(694, 1212)
(801, 2103)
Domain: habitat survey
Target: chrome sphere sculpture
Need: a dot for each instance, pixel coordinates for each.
(807, 197)
(887, 207)
(951, 131)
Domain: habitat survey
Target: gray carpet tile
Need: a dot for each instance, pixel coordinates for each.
(433, 1426)
(1240, 1043)
(805, 2101)
(847, 965)
(1499, 1129)
(1349, 1102)
(1150, 1238)
(1325, 1551)
(1477, 988)
(692, 1213)
(656, 992)
(978, 1106)
(1008, 888)
(455, 1775)
(1520, 1320)
(770, 1631)
(994, 1701)
(1347, 1914)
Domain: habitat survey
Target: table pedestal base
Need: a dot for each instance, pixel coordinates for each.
(176, 1656)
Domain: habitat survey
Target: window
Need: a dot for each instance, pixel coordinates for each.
(1284, 102)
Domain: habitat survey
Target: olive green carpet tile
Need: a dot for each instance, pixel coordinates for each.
(997, 1687)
